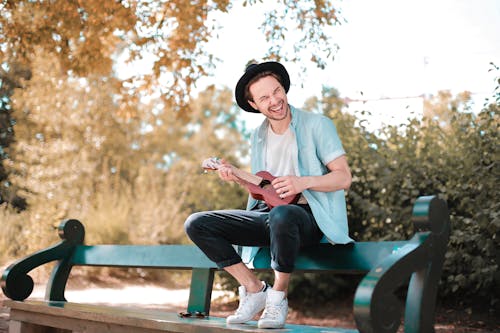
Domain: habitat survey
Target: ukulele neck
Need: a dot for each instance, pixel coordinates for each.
(247, 177)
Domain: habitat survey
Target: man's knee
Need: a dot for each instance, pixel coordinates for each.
(285, 212)
(193, 223)
(283, 217)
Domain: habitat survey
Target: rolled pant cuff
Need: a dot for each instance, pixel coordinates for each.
(228, 262)
(282, 269)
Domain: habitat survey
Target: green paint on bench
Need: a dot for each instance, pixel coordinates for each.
(386, 265)
(359, 257)
(172, 256)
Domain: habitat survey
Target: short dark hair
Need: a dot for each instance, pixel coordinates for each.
(248, 96)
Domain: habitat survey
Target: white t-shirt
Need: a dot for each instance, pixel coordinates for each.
(279, 148)
(279, 155)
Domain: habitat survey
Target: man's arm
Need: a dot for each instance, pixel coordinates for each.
(339, 178)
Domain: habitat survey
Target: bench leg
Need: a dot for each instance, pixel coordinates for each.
(200, 293)
(21, 327)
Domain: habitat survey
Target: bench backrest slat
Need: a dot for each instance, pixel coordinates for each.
(146, 256)
(353, 258)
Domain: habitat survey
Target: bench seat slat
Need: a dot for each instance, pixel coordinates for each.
(98, 318)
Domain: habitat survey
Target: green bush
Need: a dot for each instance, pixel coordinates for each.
(457, 160)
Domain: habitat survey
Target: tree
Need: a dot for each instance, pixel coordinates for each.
(11, 77)
(68, 141)
(77, 158)
(84, 38)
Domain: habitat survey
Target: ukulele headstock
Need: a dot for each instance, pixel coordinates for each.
(212, 163)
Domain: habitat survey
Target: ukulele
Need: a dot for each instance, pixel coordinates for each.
(259, 185)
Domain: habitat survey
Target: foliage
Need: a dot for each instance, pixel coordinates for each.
(109, 173)
(310, 20)
(452, 153)
(9, 80)
(471, 190)
(85, 36)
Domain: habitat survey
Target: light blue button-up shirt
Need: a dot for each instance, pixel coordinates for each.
(317, 145)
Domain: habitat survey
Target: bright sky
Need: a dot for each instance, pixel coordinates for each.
(388, 48)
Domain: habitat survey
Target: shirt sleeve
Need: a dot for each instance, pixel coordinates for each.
(328, 144)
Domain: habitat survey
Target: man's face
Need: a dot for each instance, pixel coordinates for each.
(269, 97)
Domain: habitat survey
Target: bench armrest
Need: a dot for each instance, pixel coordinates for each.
(17, 284)
(376, 305)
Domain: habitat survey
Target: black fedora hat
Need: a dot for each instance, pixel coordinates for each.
(250, 72)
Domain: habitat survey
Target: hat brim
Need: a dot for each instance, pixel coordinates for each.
(250, 73)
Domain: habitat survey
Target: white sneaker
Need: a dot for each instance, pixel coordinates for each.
(250, 305)
(276, 310)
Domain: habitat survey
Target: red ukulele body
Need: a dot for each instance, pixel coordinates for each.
(259, 185)
(264, 191)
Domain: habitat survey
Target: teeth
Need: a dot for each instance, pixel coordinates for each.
(276, 108)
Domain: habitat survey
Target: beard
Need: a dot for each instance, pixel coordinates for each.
(280, 114)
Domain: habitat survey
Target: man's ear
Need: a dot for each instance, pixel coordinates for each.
(252, 104)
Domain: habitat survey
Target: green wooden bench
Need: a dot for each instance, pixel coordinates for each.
(415, 263)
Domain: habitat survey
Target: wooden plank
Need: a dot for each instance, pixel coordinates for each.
(87, 318)
(21, 327)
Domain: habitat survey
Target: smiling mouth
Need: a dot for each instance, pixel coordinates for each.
(277, 108)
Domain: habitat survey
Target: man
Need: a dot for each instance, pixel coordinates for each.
(303, 150)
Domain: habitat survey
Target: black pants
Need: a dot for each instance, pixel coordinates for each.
(285, 229)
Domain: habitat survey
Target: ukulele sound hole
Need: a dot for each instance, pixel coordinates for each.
(265, 184)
